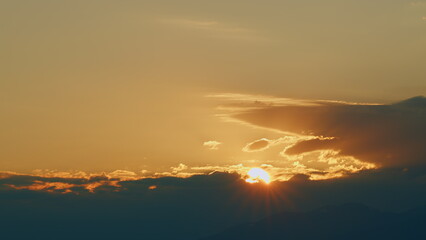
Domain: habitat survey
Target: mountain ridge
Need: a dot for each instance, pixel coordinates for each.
(348, 221)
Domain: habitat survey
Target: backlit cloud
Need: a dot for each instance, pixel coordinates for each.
(385, 135)
(258, 145)
(212, 145)
(264, 143)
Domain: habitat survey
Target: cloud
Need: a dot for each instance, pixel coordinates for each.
(258, 145)
(57, 184)
(122, 174)
(63, 182)
(116, 174)
(389, 135)
(250, 101)
(232, 104)
(212, 145)
(264, 143)
(299, 178)
(179, 168)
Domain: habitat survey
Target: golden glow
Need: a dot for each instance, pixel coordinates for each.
(258, 175)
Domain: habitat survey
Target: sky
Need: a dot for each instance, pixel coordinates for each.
(99, 86)
(156, 112)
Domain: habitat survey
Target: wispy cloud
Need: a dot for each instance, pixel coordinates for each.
(260, 101)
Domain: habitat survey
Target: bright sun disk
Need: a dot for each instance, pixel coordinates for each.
(257, 175)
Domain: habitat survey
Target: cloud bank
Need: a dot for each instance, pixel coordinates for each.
(189, 208)
(388, 135)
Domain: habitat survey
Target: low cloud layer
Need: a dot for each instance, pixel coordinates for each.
(189, 208)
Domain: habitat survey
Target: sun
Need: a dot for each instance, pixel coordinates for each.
(258, 175)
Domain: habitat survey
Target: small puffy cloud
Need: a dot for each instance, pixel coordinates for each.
(212, 145)
(297, 164)
(179, 168)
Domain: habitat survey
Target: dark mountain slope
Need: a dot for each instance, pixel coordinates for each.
(350, 221)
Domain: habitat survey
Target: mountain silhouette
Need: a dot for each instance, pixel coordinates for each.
(349, 222)
(417, 102)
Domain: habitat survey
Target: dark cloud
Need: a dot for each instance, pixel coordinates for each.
(312, 145)
(299, 178)
(186, 208)
(391, 135)
(55, 184)
(177, 208)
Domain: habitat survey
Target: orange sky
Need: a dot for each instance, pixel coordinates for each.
(151, 86)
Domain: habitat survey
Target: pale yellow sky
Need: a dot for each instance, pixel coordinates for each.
(106, 85)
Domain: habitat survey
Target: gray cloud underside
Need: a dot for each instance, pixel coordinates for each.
(391, 135)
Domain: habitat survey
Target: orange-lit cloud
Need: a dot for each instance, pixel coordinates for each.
(46, 186)
(212, 145)
(258, 145)
(59, 185)
(264, 143)
(383, 135)
(69, 183)
(123, 174)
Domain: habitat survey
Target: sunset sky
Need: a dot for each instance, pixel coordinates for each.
(131, 90)
(136, 85)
